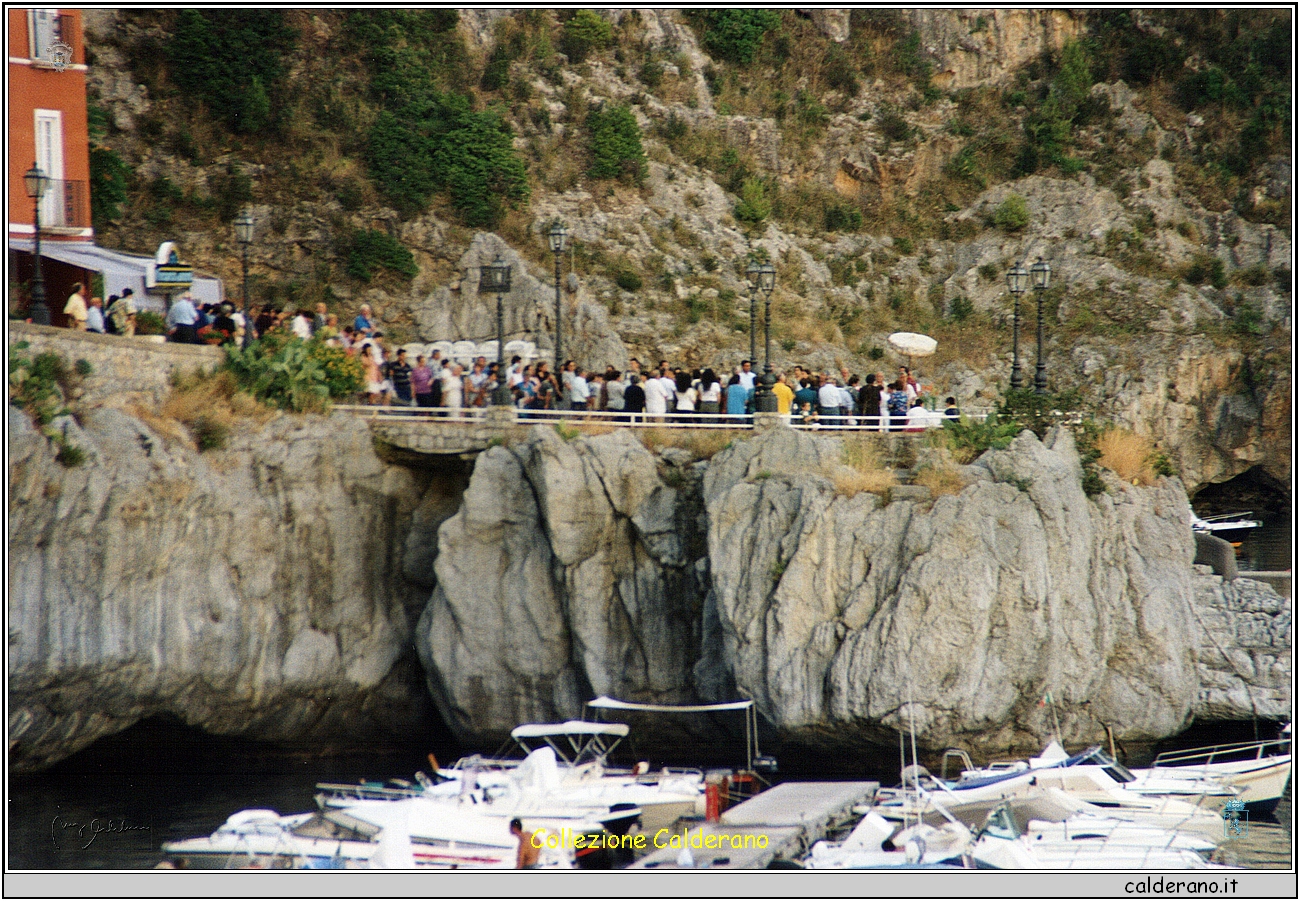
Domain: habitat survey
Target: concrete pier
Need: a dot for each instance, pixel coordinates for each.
(786, 820)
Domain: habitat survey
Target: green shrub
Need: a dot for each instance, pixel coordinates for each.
(967, 439)
(960, 309)
(441, 144)
(108, 173)
(284, 371)
(37, 385)
(1205, 268)
(755, 204)
(210, 432)
(148, 322)
(735, 34)
(367, 250)
(233, 61)
(232, 190)
(843, 217)
(1012, 215)
(616, 150)
(70, 455)
(496, 74)
(585, 32)
(904, 245)
(83, 368)
(627, 279)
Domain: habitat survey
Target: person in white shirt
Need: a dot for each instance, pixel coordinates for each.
(95, 315)
(656, 398)
(828, 399)
(453, 386)
(746, 375)
(302, 325)
(579, 396)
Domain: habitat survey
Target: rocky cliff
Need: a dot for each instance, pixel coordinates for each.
(296, 587)
(568, 572)
(256, 591)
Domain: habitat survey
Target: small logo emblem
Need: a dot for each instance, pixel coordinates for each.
(1236, 819)
(60, 55)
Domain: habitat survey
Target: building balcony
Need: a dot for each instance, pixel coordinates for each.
(66, 205)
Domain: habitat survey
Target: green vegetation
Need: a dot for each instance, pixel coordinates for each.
(440, 143)
(755, 205)
(1012, 215)
(366, 250)
(616, 145)
(286, 372)
(585, 32)
(233, 61)
(108, 172)
(735, 34)
(39, 384)
(148, 322)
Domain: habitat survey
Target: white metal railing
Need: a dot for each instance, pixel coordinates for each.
(675, 420)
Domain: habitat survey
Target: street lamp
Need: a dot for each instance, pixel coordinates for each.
(558, 237)
(495, 277)
(244, 232)
(762, 277)
(37, 183)
(1041, 273)
(1017, 282)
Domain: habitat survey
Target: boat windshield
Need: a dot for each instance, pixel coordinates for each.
(1000, 824)
(1113, 768)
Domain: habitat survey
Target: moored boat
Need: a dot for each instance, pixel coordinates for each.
(1259, 770)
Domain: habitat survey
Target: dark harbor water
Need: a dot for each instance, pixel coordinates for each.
(113, 806)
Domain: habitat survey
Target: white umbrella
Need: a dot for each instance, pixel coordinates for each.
(912, 344)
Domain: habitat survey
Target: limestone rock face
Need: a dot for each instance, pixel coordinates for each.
(975, 46)
(461, 312)
(568, 572)
(841, 616)
(251, 591)
(1243, 658)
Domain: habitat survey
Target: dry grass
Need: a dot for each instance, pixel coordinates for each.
(208, 406)
(702, 444)
(940, 480)
(862, 469)
(849, 482)
(1127, 455)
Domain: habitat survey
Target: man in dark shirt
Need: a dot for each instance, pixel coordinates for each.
(400, 373)
(806, 394)
(633, 397)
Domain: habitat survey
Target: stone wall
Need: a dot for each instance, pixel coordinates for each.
(121, 365)
(1244, 649)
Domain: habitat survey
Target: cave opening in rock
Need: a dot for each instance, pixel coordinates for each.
(1269, 547)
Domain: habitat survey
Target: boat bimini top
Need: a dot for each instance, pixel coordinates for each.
(573, 742)
(754, 758)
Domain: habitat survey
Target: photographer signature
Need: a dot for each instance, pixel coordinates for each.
(91, 830)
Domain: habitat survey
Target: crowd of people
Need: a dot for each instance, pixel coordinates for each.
(663, 393)
(659, 394)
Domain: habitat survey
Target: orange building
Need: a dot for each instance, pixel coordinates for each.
(48, 126)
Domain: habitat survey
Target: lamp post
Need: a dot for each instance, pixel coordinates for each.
(244, 232)
(1017, 281)
(1041, 273)
(762, 277)
(496, 277)
(37, 183)
(558, 237)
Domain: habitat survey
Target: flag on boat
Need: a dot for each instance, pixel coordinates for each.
(1045, 699)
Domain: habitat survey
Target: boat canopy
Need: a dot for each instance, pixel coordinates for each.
(572, 727)
(607, 703)
(752, 754)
